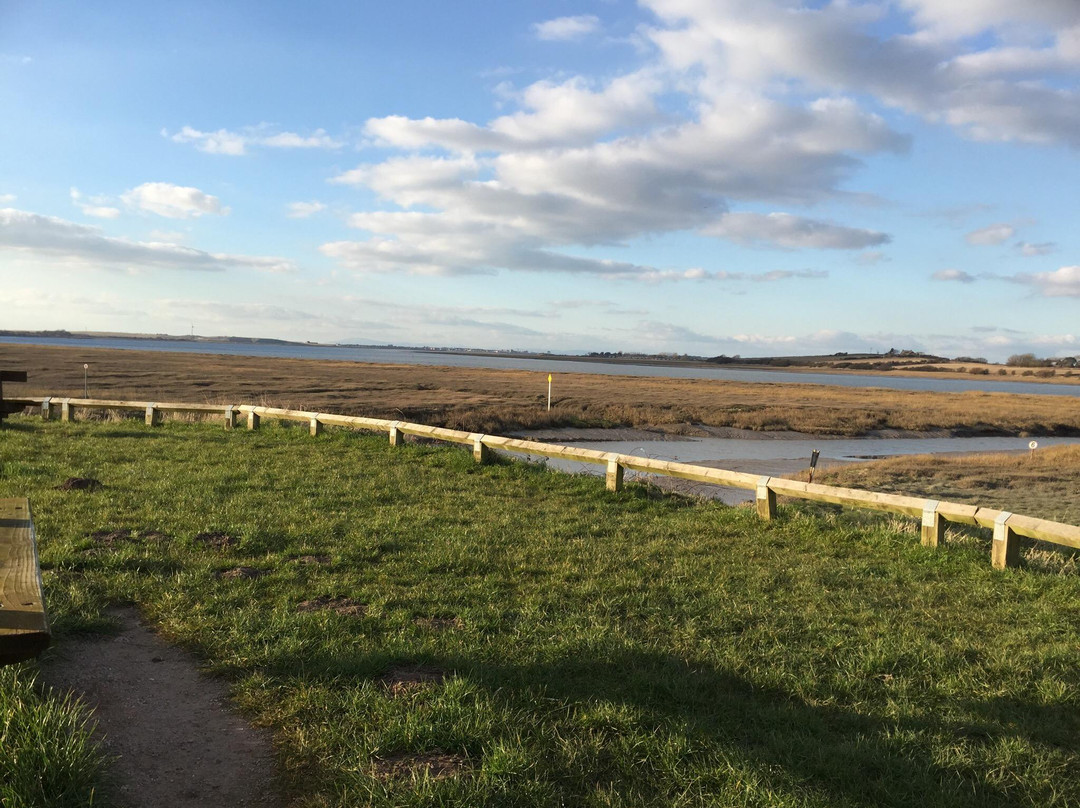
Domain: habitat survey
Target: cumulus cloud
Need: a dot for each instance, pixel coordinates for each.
(953, 275)
(738, 106)
(303, 210)
(567, 28)
(96, 206)
(173, 201)
(48, 237)
(991, 234)
(224, 141)
(1063, 282)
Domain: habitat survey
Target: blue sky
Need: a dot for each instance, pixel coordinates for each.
(689, 176)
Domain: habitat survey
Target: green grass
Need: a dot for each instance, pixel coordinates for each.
(631, 649)
(46, 754)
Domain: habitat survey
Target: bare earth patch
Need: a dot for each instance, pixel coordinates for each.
(244, 573)
(221, 541)
(341, 605)
(79, 484)
(436, 765)
(110, 538)
(410, 678)
(174, 741)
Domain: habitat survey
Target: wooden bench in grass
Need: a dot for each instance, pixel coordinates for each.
(24, 628)
(10, 376)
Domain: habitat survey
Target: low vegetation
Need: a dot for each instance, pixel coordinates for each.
(415, 629)
(505, 401)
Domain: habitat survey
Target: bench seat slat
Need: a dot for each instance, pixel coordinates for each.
(24, 626)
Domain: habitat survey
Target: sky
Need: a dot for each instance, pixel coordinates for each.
(741, 177)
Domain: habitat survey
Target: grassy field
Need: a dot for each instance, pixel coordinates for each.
(501, 401)
(544, 641)
(1044, 484)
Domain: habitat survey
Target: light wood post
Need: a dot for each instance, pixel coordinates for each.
(397, 437)
(933, 526)
(65, 410)
(614, 477)
(153, 415)
(765, 499)
(315, 427)
(253, 419)
(480, 452)
(1005, 549)
(230, 417)
(47, 409)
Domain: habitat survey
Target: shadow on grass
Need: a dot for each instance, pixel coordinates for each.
(732, 727)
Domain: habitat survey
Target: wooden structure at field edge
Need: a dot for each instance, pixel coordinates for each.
(1007, 527)
(24, 627)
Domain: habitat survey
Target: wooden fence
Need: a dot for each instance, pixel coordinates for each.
(1007, 527)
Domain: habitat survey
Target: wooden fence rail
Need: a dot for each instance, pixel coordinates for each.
(934, 515)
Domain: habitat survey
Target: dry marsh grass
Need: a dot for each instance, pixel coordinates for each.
(1045, 484)
(500, 401)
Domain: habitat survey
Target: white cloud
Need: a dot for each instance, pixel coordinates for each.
(302, 210)
(738, 106)
(937, 72)
(50, 238)
(1032, 250)
(991, 234)
(7, 199)
(1063, 282)
(792, 232)
(173, 201)
(953, 275)
(567, 28)
(97, 206)
(223, 141)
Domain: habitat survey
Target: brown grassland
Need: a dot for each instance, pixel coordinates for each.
(502, 401)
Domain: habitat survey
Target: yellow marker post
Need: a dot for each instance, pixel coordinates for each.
(549, 392)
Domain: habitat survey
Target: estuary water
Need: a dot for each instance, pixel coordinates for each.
(784, 457)
(408, 356)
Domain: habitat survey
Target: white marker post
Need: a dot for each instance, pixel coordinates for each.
(1033, 446)
(549, 392)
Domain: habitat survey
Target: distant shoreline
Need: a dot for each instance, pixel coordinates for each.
(833, 364)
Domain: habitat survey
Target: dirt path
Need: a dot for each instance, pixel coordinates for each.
(174, 741)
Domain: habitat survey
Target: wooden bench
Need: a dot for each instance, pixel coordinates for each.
(24, 627)
(10, 376)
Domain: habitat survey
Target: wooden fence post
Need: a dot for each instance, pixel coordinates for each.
(480, 452)
(153, 415)
(47, 409)
(933, 526)
(253, 419)
(765, 499)
(614, 476)
(1005, 548)
(397, 437)
(65, 410)
(230, 417)
(315, 426)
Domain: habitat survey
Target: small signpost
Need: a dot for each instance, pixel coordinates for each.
(10, 376)
(813, 463)
(1033, 446)
(549, 392)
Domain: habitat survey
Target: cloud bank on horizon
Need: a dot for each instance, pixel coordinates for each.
(762, 175)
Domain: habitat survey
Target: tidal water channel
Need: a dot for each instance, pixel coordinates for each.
(778, 456)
